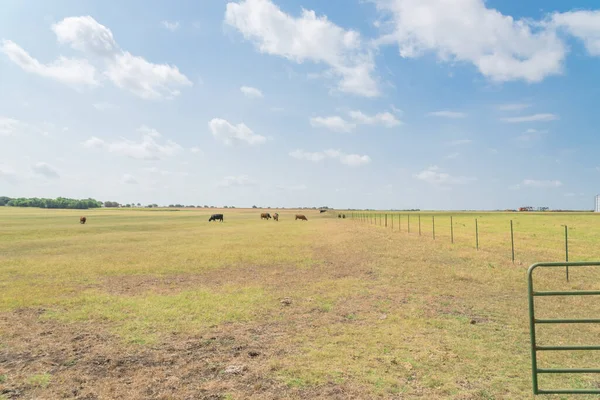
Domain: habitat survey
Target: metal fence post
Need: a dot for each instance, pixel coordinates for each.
(386, 220)
(567, 249)
(408, 223)
(433, 224)
(476, 235)
(451, 231)
(512, 241)
(419, 224)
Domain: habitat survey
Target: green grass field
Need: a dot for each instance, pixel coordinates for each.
(162, 304)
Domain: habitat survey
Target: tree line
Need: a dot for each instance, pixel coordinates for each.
(59, 202)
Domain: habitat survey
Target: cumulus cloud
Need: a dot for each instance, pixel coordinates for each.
(46, 170)
(386, 119)
(126, 71)
(307, 38)
(501, 47)
(241, 180)
(584, 25)
(447, 114)
(229, 133)
(170, 25)
(353, 160)
(251, 92)
(146, 149)
(531, 118)
(70, 71)
(333, 123)
(128, 179)
(8, 126)
(338, 124)
(435, 176)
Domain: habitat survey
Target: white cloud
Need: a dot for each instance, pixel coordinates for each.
(147, 149)
(242, 180)
(459, 142)
(303, 155)
(386, 119)
(541, 183)
(94, 142)
(46, 170)
(145, 79)
(129, 180)
(435, 176)
(447, 114)
(251, 92)
(8, 126)
(196, 150)
(584, 25)
(126, 71)
(149, 131)
(171, 25)
(532, 118)
(513, 106)
(339, 124)
(501, 47)
(353, 160)
(70, 71)
(228, 133)
(306, 38)
(333, 123)
(87, 35)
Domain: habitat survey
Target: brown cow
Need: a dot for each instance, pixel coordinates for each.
(82, 220)
(265, 216)
(302, 217)
(276, 217)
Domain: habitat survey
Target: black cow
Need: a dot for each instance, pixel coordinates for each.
(322, 211)
(216, 217)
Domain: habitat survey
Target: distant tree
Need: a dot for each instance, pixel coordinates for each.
(205, 206)
(254, 207)
(225, 207)
(60, 202)
(111, 204)
(4, 200)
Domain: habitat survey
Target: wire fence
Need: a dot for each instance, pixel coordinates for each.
(494, 234)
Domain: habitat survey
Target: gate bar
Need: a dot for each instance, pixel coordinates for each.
(531, 294)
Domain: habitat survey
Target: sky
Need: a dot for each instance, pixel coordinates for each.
(385, 104)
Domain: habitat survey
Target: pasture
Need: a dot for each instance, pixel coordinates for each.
(162, 304)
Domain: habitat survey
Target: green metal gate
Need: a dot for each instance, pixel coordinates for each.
(533, 321)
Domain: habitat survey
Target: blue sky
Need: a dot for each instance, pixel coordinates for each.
(360, 104)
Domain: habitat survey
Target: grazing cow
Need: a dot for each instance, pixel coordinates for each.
(275, 217)
(216, 217)
(266, 216)
(339, 215)
(343, 215)
(82, 220)
(322, 211)
(302, 217)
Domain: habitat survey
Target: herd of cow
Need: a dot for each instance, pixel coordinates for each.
(267, 216)
(219, 217)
